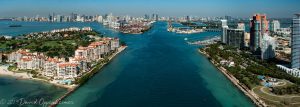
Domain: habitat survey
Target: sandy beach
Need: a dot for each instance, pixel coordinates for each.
(5, 72)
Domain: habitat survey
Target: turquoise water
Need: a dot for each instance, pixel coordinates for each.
(14, 93)
(158, 69)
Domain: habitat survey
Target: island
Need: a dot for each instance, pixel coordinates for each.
(63, 57)
(184, 30)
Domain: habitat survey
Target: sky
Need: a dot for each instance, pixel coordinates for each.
(201, 8)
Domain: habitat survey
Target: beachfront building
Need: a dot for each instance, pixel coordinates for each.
(50, 67)
(59, 68)
(67, 70)
(16, 56)
(31, 61)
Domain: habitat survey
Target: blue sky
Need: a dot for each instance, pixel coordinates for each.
(240, 8)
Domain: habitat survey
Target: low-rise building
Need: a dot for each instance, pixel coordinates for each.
(292, 71)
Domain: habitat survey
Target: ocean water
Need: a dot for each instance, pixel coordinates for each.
(158, 69)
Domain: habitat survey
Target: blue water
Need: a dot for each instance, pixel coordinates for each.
(158, 69)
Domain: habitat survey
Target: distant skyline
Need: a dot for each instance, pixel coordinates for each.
(201, 8)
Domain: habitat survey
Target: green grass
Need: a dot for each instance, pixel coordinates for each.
(277, 100)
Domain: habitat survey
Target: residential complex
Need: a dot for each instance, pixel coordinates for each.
(65, 68)
(268, 45)
(275, 26)
(258, 27)
(235, 37)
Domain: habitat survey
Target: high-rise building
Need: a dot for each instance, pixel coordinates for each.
(275, 25)
(258, 27)
(235, 37)
(268, 46)
(147, 17)
(156, 17)
(50, 18)
(224, 30)
(296, 42)
(188, 19)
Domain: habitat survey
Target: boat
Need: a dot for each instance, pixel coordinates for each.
(15, 25)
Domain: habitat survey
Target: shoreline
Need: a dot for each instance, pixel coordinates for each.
(25, 76)
(249, 93)
(70, 91)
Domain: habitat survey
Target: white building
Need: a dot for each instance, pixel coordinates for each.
(31, 62)
(224, 30)
(82, 63)
(294, 71)
(296, 42)
(67, 70)
(275, 25)
(50, 67)
(115, 44)
(268, 46)
(16, 56)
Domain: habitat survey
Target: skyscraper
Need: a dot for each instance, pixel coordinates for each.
(268, 46)
(258, 27)
(188, 19)
(156, 17)
(296, 42)
(224, 30)
(235, 37)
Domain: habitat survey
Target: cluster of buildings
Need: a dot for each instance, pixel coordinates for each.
(262, 44)
(127, 24)
(295, 51)
(259, 41)
(73, 17)
(64, 68)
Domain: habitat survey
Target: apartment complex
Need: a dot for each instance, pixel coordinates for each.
(60, 67)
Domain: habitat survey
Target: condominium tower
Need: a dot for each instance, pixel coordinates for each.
(296, 42)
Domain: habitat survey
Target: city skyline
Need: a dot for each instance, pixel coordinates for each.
(212, 8)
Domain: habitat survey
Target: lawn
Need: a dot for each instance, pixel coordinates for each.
(277, 100)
